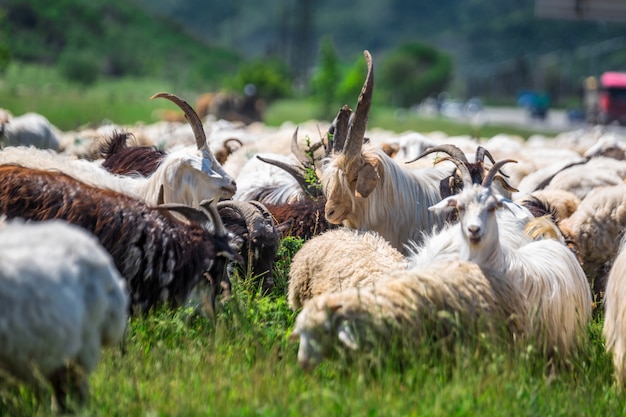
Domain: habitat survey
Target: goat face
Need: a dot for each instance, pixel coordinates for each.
(198, 177)
(347, 186)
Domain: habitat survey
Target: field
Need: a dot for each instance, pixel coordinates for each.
(243, 364)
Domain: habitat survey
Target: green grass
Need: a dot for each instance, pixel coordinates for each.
(243, 364)
(127, 101)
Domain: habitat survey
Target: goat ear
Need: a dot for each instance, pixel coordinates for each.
(446, 203)
(518, 211)
(366, 180)
(346, 336)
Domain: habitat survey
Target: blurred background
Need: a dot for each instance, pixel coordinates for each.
(82, 61)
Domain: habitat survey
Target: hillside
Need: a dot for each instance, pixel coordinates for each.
(113, 38)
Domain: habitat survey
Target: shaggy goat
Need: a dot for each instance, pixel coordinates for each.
(339, 259)
(595, 227)
(61, 300)
(546, 270)
(185, 176)
(615, 315)
(367, 190)
(446, 299)
(251, 227)
(162, 258)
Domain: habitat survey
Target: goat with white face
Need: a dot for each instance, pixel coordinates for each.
(553, 281)
(367, 190)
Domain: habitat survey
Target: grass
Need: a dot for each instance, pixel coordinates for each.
(127, 101)
(243, 364)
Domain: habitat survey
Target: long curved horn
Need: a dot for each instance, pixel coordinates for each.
(356, 131)
(452, 150)
(295, 172)
(248, 211)
(505, 185)
(481, 153)
(210, 210)
(190, 213)
(494, 169)
(190, 114)
(296, 151)
(466, 176)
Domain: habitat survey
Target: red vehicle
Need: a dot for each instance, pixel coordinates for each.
(606, 101)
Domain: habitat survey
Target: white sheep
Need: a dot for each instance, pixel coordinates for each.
(445, 299)
(61, 300)
(339, 259)
(29, 129)
(614, 328)
(547, 271)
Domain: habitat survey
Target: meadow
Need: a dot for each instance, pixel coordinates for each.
(242, 362)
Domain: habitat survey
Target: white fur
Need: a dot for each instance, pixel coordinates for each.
(30, 129)
(61, 299)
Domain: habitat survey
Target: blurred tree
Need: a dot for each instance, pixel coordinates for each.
(5, 53)
(270, 77)
(412, 72)
(325, 80)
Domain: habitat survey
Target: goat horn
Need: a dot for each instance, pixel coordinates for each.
(295, 172)
(250, 213)
(210, 210)
(190, 114)
(480, 157)
(339, 131)
(452, 150)
(356, 131)
(227, 141)
(505, 184)
(296, 151)
(466, 176)
(494, 169)
(190, 213)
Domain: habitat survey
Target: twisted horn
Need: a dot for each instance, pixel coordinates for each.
(356, 131)
(494, 169)
(452, 150)
(480, 156)
(339, 130)
(190, 114)
(466, 176)
(295, 172)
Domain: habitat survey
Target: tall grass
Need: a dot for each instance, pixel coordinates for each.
(174, 363)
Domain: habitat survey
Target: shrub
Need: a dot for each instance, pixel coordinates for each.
(80, 67)
(271, 77)
(412, 72)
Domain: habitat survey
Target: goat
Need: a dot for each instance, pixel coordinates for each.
(61, 301)
(162, 259)
(547, 271)
(367, 190)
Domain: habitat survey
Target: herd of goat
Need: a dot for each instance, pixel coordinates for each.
(520, 239)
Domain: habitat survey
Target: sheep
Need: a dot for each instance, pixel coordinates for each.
(367, 190)
(162, 258)
(29, 129)
(439, 301)
(594, 228)
(61, 301)
(186, 176)
(547, 271)
(614, 327)
(338, 259)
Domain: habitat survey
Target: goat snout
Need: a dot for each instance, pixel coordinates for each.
(474, 233)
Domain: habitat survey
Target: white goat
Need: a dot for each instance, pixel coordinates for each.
(547, 271)
(615, 315)
(446, 299)
(30, 129)
(367, 190)
(339, 259)
(61, 299)
(187, 176)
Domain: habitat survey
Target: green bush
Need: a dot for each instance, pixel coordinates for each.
(412, 72)
(79, 66)
(326, 78)
(271, 77)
